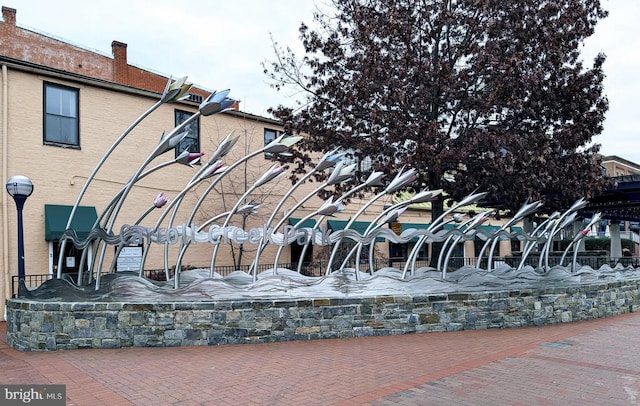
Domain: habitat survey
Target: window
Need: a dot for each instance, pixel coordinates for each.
(192, 140)
(61, 124)
(269, 136)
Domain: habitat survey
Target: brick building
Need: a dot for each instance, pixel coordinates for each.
(63, 106)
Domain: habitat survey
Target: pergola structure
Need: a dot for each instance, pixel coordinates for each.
(619, 203)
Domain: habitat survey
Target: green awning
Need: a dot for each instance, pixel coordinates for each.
(308, 223)
(424, 226)
(56, 217)
(489, 229)
(416, 226)
(486, 229)
(358, 226)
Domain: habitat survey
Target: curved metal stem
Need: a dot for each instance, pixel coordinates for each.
(315, 227)
(121, 245)
(449, 252)
(262, 243)
(254, 267)
(184, 247)
(110, 206)
(540, 230)
(226, 223)
(349, 224)
(225, 172)
(295, 227)
(133, 180)
(436, 224)
(93, 174)
(433, 228)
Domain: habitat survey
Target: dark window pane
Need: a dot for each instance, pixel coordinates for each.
(61, 115)
(62, 129)
(192, 140)
(269, 137)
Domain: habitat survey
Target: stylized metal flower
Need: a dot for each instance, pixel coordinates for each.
(527, 209)
(224, 147)
(175, 90)
(375, 179)
(392, 217)
(216, 168)
(168, 143)
(479, 219)
(341, 173)
(470, 199)
(329, 208)
(247, 209)
(273, 172)
(578, 204)
(160, 200)
(215, 103)
(189, 158)
(425, 196)
(401, 180)
(596, 217)
(281, 144)
(329, 159)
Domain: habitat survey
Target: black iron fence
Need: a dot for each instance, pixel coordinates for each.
(319, 268)
(30, 281)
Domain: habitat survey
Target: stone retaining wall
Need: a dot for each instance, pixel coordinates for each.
(41, 326)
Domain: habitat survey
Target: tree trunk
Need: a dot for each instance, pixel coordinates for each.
(437, 208)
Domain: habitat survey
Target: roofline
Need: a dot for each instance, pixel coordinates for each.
(30, 67)
(619, 160)
(88, 80)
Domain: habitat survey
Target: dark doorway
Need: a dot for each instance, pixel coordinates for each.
(70, 260)
(296, 253)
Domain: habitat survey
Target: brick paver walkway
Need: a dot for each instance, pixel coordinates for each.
(584, 363)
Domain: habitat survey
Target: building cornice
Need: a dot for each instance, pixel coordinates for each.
(29, 67)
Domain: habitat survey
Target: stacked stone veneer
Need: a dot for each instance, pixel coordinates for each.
(33, 325)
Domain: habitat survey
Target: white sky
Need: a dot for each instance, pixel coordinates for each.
(221, 44)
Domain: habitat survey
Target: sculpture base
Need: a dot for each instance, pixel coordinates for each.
(34, 325)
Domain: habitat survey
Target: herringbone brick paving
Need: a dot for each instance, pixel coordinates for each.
(594, 362)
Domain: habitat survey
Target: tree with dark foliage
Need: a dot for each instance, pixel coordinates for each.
(486, 95)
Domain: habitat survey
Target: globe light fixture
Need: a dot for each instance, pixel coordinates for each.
(20, 187)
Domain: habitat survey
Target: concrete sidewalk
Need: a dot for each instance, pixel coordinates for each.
(594, 362)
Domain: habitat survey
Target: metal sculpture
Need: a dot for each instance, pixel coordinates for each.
(214, 170)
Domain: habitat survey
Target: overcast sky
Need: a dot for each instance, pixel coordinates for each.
(221, 44)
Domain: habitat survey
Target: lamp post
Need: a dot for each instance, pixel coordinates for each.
(20, 187)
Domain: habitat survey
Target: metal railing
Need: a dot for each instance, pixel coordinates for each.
(319, 268)
(30, 281)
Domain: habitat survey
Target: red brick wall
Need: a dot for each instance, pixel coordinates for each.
(29, 46)
(32, 47)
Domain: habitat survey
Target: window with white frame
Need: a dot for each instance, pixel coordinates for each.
(61, 116)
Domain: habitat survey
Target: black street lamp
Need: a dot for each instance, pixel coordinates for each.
(20, 187)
